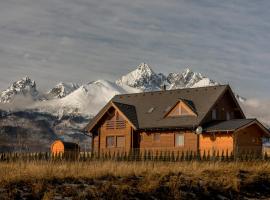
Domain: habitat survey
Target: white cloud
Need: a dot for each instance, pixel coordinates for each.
(257, 108)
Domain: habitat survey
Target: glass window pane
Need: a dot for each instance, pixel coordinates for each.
(214, 114)
(110, 141)
(179, 139)
(120, 141)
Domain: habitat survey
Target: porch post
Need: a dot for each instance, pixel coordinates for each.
(198, 145)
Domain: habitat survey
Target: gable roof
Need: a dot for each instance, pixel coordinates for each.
(230, 125)
(128, 111)
(136, 107)
(189, 104)
(233, 125)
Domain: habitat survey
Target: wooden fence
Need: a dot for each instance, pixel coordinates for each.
(165, 156)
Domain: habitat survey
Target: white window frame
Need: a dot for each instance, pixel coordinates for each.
(182, 144)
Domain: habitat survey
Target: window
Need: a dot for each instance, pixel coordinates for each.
(214, 114)
(228, 116)
(120, 141)
(110, 141)
(156, 137)
(181, 109)
(179, 140)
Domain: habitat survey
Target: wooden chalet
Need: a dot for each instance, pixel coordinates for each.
(206, 119)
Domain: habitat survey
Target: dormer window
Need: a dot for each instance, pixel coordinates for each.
(214, 114)
(180, 109)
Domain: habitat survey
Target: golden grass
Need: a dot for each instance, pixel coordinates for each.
(122, 179)
(223, 172)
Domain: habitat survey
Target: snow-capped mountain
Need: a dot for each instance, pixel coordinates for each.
(143, 78)
(62, 89)
(24, 87)
(188, 79)
(86, 100)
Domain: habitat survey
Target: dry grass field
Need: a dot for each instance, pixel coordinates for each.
(134, 180)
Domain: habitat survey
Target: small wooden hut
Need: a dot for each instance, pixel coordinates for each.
(65, 149)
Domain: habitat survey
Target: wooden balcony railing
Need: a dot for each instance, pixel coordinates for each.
(117, 124)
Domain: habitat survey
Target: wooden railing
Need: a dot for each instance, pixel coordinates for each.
(116, 124)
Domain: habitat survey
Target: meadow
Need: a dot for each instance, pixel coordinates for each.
(134, 180)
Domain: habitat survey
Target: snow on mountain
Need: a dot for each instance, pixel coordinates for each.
(23, 87)
(143, 78)
(86, 100)
(62, 89)
(188, 79)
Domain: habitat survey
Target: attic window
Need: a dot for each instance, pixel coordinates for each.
(180, 109)
(214, 114)
(151, 110)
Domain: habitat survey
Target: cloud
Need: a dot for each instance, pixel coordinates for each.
(20, 102)
(80, 41)
(257, 108)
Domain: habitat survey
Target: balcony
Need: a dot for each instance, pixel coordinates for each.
(117, 124)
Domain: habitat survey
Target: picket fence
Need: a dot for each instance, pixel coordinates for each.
(164, 156)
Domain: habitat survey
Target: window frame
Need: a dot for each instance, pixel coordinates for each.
(183, 139)
(113, 145)
(228, 116)
(214, 114)
(116, 141)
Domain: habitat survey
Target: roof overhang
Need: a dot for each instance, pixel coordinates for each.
(100, 115)
(236, 129)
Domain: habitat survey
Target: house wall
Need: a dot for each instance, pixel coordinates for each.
(216, 142)
(104, 132)
(224, 105)
(167, 141)
(249, 139)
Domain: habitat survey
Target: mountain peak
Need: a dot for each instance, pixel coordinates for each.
(143, 67)
(143, 77)
(188, 78)
(62, 89)
(25, 86)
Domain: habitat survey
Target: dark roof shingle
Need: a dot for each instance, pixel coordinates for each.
(200, 99)
(230, 125)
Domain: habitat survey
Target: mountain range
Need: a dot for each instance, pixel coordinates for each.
(64, 110)
(87, 99)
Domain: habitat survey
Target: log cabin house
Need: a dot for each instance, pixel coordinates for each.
(206, 119)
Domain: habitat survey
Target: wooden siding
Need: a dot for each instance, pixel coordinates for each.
(225, 105)
(249, 139)
(180, 109)
(113, 125)
(216, 142)
(167, 141)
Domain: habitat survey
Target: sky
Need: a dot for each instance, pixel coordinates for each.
(85, 40)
